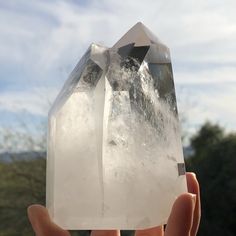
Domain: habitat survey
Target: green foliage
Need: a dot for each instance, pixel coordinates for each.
(214, 162)
(21, 183)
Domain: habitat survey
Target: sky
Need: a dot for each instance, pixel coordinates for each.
(42, 41)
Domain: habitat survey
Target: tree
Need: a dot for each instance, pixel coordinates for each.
(214, 162)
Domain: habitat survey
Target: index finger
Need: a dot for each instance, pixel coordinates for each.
(193, 187)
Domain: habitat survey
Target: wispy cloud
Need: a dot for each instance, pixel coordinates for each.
(37, 101)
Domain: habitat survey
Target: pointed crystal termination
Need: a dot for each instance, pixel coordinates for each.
(115, 157)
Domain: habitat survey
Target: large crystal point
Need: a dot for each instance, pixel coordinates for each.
(114, 149)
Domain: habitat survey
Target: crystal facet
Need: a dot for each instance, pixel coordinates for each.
(115, 157)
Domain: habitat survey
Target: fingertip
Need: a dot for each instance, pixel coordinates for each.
(105, 233)
(181, 217)
(192, 183)
(186, 202)
(37, 212)
(158, 231)
(35, 208)
(194, 187)
(41, 222)
(191, 177)
(191, 174)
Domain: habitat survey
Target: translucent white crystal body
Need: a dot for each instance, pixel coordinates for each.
(114, 149)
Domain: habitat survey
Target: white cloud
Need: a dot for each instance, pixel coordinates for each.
(206, 76)
(36, 101)
(43, 38)
(212, 102)
(196, 31)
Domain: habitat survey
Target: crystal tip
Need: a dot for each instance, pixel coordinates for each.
(139, 34)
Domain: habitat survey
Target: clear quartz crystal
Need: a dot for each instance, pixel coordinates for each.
(115, 157)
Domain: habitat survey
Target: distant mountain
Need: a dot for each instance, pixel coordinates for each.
(10, 156)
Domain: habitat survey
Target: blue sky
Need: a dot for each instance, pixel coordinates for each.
(41, 41)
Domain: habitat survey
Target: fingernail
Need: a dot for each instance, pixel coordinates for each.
(29, 211)
(192, 173)
(194, 197)
(35, 212)
(32, 217)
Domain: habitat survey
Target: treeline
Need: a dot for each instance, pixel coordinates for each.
(214, 162)
(22, 182)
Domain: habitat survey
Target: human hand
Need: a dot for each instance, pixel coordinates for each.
(183, 221)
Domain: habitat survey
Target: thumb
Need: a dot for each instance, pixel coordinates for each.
(42, 224)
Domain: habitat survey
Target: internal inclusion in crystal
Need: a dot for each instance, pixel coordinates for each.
(114, 141)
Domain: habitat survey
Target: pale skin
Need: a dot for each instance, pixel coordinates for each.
(183, 220)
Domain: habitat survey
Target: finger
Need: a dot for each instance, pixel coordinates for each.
(156, 231)
(105, 233)
(181, 217)
(193, 187)
(42, 224)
